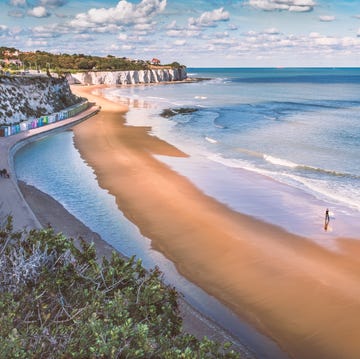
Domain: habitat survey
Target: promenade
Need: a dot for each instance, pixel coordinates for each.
(11, 199)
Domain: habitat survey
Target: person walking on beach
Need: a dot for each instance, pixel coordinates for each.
(327, 218)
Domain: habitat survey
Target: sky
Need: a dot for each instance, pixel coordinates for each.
(195, 33)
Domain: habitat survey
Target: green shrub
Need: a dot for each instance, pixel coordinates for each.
(58, 301)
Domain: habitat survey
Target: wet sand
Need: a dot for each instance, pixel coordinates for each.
(300, 294)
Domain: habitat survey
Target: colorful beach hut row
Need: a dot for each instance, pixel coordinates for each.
(8, 130)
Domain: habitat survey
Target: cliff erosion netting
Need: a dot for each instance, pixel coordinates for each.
(25, 97)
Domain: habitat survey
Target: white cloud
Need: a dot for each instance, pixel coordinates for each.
(122, 37)
(18, 2)
(38, 11)
(53, 3)
(34, 43)
(127, 47)
(179, 42)
(183, 33)
(172, 25)
(3, 29)
(209, 18)
(327, 18)
(106, 28)
(124, 13)
(326, 41)
(286, 5)
(83, 37)
(272, 31)
(144, 27)
(16, 13)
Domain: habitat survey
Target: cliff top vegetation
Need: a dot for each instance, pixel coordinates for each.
(13, 59)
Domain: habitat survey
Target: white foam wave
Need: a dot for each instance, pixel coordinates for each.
(231, 162)
(211, 140)
(280, 161)
(200, 97)
(270, 117)
(324, 190)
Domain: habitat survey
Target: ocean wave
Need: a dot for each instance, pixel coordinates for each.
(287, 163)
(292, 165)
(218, 80)
(322, 189)
(328, 172)
(211, 140)
(200, 97)
(348, 196)
(280, 161)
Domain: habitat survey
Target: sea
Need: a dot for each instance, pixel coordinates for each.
(278, 144)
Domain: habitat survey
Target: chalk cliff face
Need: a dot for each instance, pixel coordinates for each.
(26, 97)
(128, 77)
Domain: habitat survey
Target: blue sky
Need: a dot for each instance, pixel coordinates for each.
(197, 33)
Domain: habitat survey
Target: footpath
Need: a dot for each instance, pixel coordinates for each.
(12, 201)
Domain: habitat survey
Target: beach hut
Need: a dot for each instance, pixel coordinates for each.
(23, 126)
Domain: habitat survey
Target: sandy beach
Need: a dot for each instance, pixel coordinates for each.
(32, 208)
(303, 296)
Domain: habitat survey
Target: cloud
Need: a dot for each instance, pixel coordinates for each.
(326, 18)
(180, 42)
(53, 3)
(272, 31)
(358, 33)
(16, 13)
(38, 11)
(3, 29)
(83, 37)
(209, 18)
(18, 2)
(172, 25)
(122, 37)
(285, 5)
(35, 43)
(183, 33)
(125, 13)
(49, 31)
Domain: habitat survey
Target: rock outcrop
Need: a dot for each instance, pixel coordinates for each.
(26, 97)
(128, 77)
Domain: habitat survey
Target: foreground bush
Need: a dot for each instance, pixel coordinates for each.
(57, 301)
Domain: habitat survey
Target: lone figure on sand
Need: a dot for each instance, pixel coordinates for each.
(327, 219)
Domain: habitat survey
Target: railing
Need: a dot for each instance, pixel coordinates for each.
(12, 129)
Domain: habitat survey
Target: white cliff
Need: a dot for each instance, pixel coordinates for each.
(26, 97)
(128, 77)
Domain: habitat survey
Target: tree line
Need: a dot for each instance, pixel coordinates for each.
(40, 60)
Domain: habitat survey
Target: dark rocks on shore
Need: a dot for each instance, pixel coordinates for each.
(170, 112)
